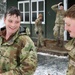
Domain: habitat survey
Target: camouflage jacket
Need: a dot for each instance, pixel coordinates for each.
(70, 46)
(38, 25)
(17, 56)
(59, 14)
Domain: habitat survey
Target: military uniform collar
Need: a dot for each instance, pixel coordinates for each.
(10, 41)
(70, 45)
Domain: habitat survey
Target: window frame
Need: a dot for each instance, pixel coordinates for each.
(30, 11)
(37, 12)
(23, 2)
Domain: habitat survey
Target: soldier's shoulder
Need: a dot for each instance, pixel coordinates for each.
(70, 44)
(25, 38)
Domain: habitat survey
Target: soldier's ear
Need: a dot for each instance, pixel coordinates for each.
(4, 19)
(64, 19)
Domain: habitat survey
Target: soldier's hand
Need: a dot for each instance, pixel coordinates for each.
(37, 32)
(59, 3)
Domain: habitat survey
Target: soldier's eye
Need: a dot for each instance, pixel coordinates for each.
(68, 24)
(10, 21)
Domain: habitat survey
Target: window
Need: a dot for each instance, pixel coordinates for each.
(37, 6)
(30, 10)
(23, 6)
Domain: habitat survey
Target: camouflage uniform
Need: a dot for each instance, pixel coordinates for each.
(70, 46)
(18, 55)
(25, 30)
(39, 32)
(59, 23)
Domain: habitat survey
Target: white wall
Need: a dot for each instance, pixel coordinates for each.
(2, 22)
(65, 8)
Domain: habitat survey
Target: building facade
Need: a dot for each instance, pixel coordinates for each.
(30, 10)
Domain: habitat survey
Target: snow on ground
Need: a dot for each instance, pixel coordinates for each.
(51, 64)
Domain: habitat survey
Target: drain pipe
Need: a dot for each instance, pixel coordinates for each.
(65, 8)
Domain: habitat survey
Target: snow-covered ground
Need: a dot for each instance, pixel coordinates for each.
(51, 64)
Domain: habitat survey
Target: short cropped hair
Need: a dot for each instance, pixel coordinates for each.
(70, 12)
(13, 10)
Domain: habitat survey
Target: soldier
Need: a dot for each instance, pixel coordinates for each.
(25, 30)
(17, 51)
(69, 18)
(59, 23)
(39, 31)
(28, 31)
